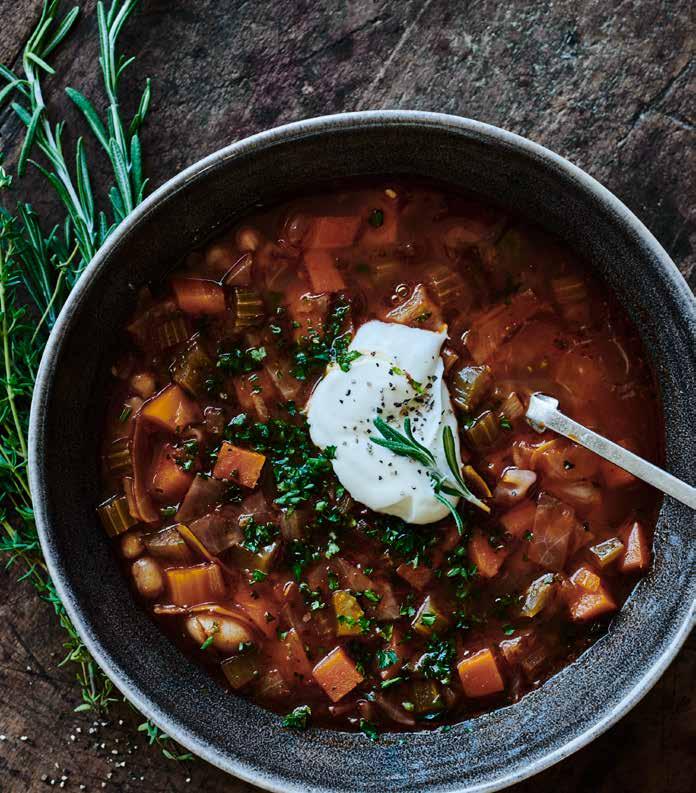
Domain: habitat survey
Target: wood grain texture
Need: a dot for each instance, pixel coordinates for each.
(608, 85)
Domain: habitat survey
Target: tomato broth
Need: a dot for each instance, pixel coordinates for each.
(242, 542)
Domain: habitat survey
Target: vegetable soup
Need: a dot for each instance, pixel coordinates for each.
(318, 473)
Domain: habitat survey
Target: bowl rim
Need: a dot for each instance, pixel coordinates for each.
(287, 133)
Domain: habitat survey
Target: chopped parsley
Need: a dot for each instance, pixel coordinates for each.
(210, 638)
(505, 423)
(258, 535)
(313, 352)
(386, 658)
(369, 729)
(333, 582)
(125, 414)
(428, 619)
(312, 597)
(376, 218)
(372, 596)
(257, 576)
(436, 663)
(298, 719)
(239, 361)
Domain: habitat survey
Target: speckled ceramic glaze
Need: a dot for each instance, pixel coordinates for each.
(486, 753)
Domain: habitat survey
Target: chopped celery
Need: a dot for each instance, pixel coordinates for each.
(448, 287)
(241, 669)
(484, 431)
(118, 460)
(425, 696)
(115, 516)
(192, 368)
(512, 407)
(168, 544)
(385, 271)
(608, 551)
(171, 332)
(249, 309)
(263, 560)
(470, 386)
(537, 595)
(348, 613)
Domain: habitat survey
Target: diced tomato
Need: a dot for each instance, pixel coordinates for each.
(491, 329)
(171, 409)
(322, 271)
(242, 466)
(519, 519)
(196, 296)
(169, 480)
(253, 392)
(488, 560)
(480, 675)
(332, 232)
(636, 557)
(382, 227)
(553, 533)
(337, 674)
(307, 311)
(418, 577)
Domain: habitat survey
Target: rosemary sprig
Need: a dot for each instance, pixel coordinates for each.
(452, 484)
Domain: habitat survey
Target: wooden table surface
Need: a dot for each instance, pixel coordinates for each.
(608, 85)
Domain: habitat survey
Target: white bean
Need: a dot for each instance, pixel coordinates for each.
(148, 577)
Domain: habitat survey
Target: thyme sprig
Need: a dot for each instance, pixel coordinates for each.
(405, 444)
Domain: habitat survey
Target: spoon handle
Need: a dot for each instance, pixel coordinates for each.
(543, 412)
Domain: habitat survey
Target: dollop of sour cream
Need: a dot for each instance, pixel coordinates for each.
(399, 374)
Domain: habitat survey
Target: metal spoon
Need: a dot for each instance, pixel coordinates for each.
(543, 413)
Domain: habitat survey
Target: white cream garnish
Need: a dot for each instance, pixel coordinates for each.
(398, 375)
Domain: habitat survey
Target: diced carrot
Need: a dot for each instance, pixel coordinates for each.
(519, 519)
(487, 559)
(191, 586)
(590, 605)
(636, 557)
(586, 579)
(418, 577)
(480, 675)
(196, 296)
(169, 480)
(332, 232)
(307, 310)
(321, 267)
(337, 674)
(242, 466)
(295, 657)
(253, 391)
(171, 409)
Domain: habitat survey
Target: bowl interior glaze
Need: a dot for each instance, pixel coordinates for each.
(488, 752)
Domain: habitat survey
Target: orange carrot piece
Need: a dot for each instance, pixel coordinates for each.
(519, 519)
(191, 586)
(332, 232)
(171, 409)
(337, 674)
(636, 557)
(479, 674)
(196, 296)
(169, 481)
(239, 465)
(590, 605)
(295, 657)
(586, 579)
(321, 267)
(487, 559)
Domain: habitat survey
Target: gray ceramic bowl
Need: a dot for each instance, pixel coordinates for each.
(489, 752)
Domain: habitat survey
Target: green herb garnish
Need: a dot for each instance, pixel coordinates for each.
(298, 719)
(405, 445)
(376, 218)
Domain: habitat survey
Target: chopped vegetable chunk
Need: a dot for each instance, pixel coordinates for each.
(321, 267)
(479, 675)
(171, 409)
(239, 465)
(636, 557)
(195, 296)
(337, 674)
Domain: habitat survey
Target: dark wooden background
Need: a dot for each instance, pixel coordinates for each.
(610, 85)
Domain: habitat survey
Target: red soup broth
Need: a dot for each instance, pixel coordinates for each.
(242, 543)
